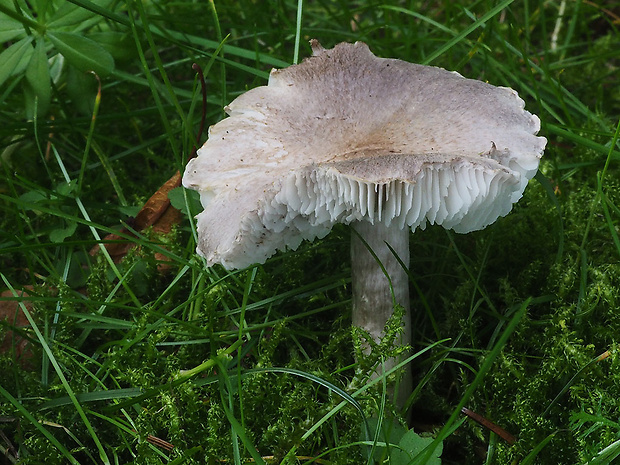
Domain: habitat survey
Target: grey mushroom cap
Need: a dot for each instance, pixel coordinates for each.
(346, 136)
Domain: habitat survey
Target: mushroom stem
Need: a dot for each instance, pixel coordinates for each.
(373, 302)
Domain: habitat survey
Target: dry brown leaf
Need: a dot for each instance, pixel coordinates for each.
(156, 212)
(12, 316)
(164, 225)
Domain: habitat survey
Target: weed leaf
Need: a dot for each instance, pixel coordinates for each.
(38, 79)
(15, 59)
(411, 445)
(178, 197)
(9, 29)
(119, 44)
(82, 88)
(32, 197)
(85, 54)
(70, 14)
(60, 234)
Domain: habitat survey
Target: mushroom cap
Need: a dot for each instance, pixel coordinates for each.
(346, 136)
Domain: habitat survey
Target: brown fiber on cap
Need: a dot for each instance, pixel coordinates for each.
(346, 136)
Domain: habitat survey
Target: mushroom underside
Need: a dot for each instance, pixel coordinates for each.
(306, 203)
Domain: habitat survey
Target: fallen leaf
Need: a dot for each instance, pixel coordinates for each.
(164, 225)
(501, 432)
(157, 205)
(156, 212)
(12, 316)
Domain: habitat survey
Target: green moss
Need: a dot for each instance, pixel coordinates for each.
(556, 247)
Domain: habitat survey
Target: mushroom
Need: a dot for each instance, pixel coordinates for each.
(380, 144)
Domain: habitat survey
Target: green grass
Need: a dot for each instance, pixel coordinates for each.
(518, 322)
